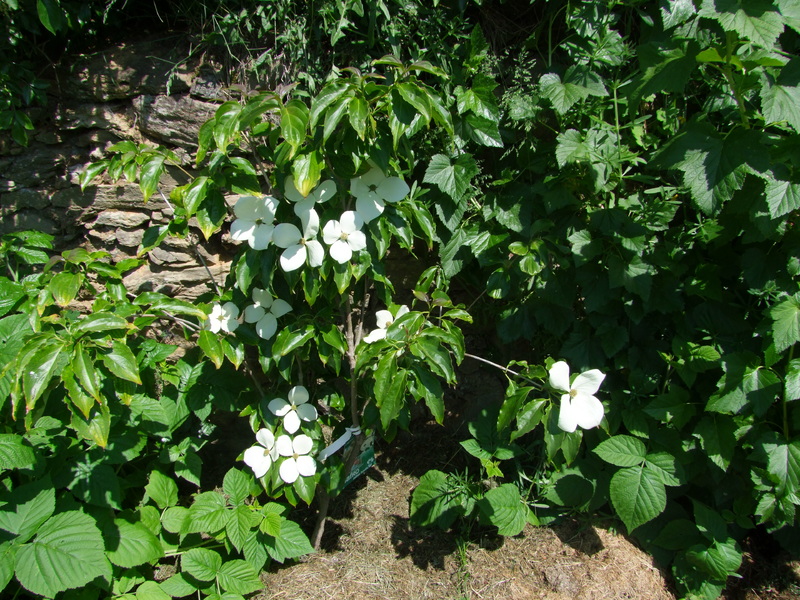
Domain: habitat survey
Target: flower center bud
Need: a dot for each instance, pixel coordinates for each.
(573, 393)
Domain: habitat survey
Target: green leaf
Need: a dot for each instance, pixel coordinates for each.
(41, 368)
(241, 521)
(237, 485)
(14, 454)
(783, 463)
(713, 167)
(416, 97)
(84, 369)
(26, 508)
(162, 490)
(131, 544)
(212, 347)
(208, 513)
(503, 508)
(98, 322)
(782, 196)
(178, 586)
(746, 383)
(791, 389)
(226, 124)
(622, 451)
(755, 20)
(150, 590)
(195, 195)
(51, 15)
(239, 577)
(291, 543)
(390, 387)
(121, 362)
(780, 99)
(435, 501)
(287, 340)
(786, 322)
(67, 553)
(327, 96)
(453, 178)
(720, 561)
(294, 123)
(358, 113)
(306, 170)
(638, 495)
(579, 83)
(201, 563)
(334, 116)
(65, 286)
(152, 169)
(718, 439)
(666, 467)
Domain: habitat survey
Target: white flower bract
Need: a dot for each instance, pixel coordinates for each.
(384, 318)
(261, 456)
(322, 193)
(254, 218)
(299, 246)
(295, 410)
(264, 312)
(344, 236)
(373, 189)
(579, 407)
(297, 462)
(223, 317)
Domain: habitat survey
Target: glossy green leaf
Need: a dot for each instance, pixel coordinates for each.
(131, 544)
(150, 175)
(210, 344)
(121, 362)
(65, 287)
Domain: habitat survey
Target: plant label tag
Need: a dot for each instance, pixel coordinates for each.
(366, 458)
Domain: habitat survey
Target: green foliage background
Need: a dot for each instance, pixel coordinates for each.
(613, 183)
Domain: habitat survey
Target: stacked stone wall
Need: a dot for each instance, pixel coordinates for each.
(146, 91)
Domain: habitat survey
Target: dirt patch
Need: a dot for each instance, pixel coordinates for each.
(371, 552)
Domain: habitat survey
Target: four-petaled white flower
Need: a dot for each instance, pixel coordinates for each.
(305, 205)
(373, 189)
(384, 318)
(260, 457)
(253, 223)
(344, 236)
(265, 312)
(297, 462)
(223, 318)
(299, 247)
(295, 409)
(579, 407)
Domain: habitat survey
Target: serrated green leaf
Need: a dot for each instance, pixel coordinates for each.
(755, 20)
(26, 508)
(720, 561)
(241, 520)
(239, 577)
(208, 513)
(717, 438)
(435, 501)
(67, 553)
(131, 544)
(14, 454)
(666, 467)
(786, 322)
(638, 495)
(791, 384)
(201, 563)
(162, 490)
(783, 197)
(452, 177)
(291, 543)
(503, 507)
(237, 485)
(622, 451)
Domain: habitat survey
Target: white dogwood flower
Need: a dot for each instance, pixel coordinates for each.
(297, 462)
(344, 236)
(265, 312)
(579, 407)
(260, 457)
(384, 318)
(223, 317)
(373, 189)
(299, 246)
(254, 220)
(295, 409)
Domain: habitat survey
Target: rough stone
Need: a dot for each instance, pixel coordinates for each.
(27, 219)
(207, 86)
(129, 70)
(172, 119)
(117, 118)
(129, 239)
(187, 283)
(120, 218)
(26, 198)
(161, 256)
